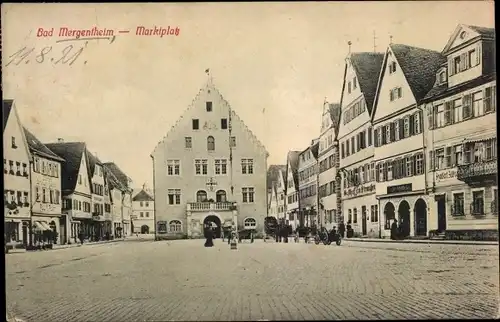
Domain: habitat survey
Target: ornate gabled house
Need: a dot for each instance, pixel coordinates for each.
(276, 175)
(357, 181)
(292, 189)
(308, 180)
(209, 169)
(45, 171)
(116, 196)
(461, 141)
(327, 154)
(407, 75)
(16, 177)
(97, 184)
(125, 187)
(143, 212)
(76, 194)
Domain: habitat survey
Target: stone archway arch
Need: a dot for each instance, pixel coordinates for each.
(404, 218)
(420, 211)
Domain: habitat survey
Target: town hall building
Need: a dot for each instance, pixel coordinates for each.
(209, 169)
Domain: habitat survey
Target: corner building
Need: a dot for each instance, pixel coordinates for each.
(462, 140)
(209, 168)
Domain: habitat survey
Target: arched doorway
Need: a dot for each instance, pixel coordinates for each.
(421, 217)
(404, 218)
(389, 215)
(144, 229)
(220, 196)
(201, 196)
(212, 222)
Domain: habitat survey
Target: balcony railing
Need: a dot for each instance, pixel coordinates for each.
(477, 209)
(207, 206)
(475, 170)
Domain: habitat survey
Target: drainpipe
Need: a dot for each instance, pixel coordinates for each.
(31, 207)
(154, 197)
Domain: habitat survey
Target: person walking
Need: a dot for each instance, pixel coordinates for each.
(394, 230)
(342, 229)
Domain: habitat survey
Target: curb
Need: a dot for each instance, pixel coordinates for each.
(428, 242)
(22, 251)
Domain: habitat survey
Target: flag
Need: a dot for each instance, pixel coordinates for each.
(207, 70)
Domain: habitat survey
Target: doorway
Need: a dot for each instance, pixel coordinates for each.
(441, 209)
(144, 229)
(212, 222)
(404, 218)
(363, 221)
(25, 233)
(421, 218)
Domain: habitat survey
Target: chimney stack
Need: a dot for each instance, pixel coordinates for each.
(60, 140)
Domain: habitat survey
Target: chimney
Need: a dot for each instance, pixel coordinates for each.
(60, 140)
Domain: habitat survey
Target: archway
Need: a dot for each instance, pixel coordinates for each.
(421, 218)
(389, 214)
(220, 196)
(144, 229)
(212, 222)
(404, 218)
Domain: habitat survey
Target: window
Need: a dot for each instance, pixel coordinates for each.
(354, 83)
(44, 195)
(457, 151)
(439, 155)
(440, 115)
(250, 223)
(248, 194)
(419, 164)
(355, 215)
(247, 166)
(14, 146)
(389, 170)
(196, 124)
(477, 207)
(392, 67)
(353, 145)
(223, 124)
(175, 226)
(349, 87)
(173, 167)
(188, 142)
(457, 64)
(416, 123)
(209, 106)
(458, 204)
(220, 166)
(141, 214)
(477, 104)
(349, 216)
(141, 203)
(370, 130)
(210, 143)
(232, 143)
(201, 196)
(472, 58)
(467, 106)
(220, 196)
(201, 166)
(147, 214)
(387, 134)
(147, 204)
(396, 130)
(488, 99)
(406, 130)
(347, 147)
(457, 110)
(174, 196)
(162, 227)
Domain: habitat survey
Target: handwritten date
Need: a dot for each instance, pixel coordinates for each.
(67, 56)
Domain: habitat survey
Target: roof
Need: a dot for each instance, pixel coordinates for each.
(441, 91)
(119, 174)
(93, 160)
(483, 31)
(72, 153)
(143, 196)
(367, 67)
(419, 67)
(272, 174)
(7, 107)
(293, 160)
(113, 182)
(36, 146)
(315, 149)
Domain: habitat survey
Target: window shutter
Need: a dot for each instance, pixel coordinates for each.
(395, 171)
(385, 170)
(377, 172)
(430, 115)
(451, 69)
(400, 92)
(453, 157)
(384, 136)
(403, 167)
(391, 95)
(412, 124)
(375, 137)
(466, 106)
(478, 54)
(421, 121)
(401, 129)
(413, 165)
(463, 58)
(447, 156)
(431, 160)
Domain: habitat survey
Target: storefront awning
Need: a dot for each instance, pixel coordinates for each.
(41, 226)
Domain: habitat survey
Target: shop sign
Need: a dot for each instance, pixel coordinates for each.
(446, 174)
(399, 188)
(355, 191)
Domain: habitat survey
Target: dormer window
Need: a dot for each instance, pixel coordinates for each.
(209, 106)
(392, 67)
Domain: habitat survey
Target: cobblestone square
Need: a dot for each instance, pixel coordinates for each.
(182, 280)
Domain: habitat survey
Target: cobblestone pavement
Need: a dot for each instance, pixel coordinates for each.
(182, 280)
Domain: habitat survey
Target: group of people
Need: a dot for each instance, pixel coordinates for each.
(399, 230)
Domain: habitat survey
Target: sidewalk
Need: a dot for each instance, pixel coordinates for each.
(57, 247)
(422, 241)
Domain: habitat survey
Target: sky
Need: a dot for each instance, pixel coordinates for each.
(275, 63)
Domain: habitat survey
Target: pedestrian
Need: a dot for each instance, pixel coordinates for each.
(394, 230)
(209, 235)
(349, 229)
(342, 229)
(81, 236)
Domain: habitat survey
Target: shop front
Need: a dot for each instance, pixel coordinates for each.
(46, 229)
(359, 209)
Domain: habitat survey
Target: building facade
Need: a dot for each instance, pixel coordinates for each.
(292, 188)
(359, 204)
(327, 153)
(124, 186)
(45, 171)
(76, 195)
(143, 212)
(308, 185)
(17, 178)
(209, 169)
(461, 141)
(97, 182)
(407, 75)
